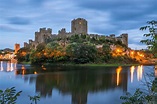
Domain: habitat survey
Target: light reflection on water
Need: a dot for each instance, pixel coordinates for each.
(85, 85)
(118, 70)
(132, 69)
(7, 66)
(139, 72)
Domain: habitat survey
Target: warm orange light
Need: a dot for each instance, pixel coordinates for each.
(132, 52)
(43, 67)
(118, 50)
(35, 72)
(118, 70)
(23, 70)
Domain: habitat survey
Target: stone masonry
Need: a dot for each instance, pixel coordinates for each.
(78, 26)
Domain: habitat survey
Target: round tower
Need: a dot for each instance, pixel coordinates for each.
(79, 26)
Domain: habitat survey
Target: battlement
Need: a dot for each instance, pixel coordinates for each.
(44, 30)
(62, 31)
(30, 41)
(112, 35)
(78, 26)
(79, 19)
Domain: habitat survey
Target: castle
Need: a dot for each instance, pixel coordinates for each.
(78, 26)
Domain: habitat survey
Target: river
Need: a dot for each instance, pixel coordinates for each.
(73, 84)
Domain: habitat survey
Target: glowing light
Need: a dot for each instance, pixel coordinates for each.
(1, 67)
(132, 73)
(35, 72)
(43, 67)
(118, 70)
(139, 72)
(132, 52)
(8, 66)
(118, 50)
(23, 70)
(11, 67)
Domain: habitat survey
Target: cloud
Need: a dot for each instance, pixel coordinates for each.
(137, 46)
(19, 21)
(104, 16)
(123, 12)
(7, 28)
(135, 36)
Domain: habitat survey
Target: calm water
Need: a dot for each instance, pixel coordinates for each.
(73, 85)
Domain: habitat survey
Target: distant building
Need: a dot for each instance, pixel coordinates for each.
(78, 26)
(16, 47)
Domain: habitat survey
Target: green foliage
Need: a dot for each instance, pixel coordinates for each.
(27, 59)
(81, 52)
(137, 98)
(34, 99)
(78, 38)
(40, 47)
(104, 54)
(76, 48)
(23, 54)
(151, 40)
(9, 96)
(52, 45)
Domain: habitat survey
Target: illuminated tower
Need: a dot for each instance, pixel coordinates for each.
(16, 47)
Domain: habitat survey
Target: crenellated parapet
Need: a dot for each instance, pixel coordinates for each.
(78, 26)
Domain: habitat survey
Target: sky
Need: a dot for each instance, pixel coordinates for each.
(20, 19)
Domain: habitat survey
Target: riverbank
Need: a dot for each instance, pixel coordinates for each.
(89, 64)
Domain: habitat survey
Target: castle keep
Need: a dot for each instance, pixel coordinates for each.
(78, 26)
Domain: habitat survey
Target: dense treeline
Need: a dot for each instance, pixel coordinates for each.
(78, 49)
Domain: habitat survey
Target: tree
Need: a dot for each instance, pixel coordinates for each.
(23, 54)
(137, 98)
(37, 56)
(107, 52)
(9, 96)
(151, 40)
(81, 52)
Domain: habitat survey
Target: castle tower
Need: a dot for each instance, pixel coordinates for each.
(79, 26)
(43, 35)
(125, 39)
(16, 47)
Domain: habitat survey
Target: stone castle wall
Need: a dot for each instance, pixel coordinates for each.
(78, 26)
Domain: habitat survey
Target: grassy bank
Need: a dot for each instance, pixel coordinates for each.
(109, 64)
(88, 64)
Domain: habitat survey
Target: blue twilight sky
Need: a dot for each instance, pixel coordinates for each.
(19, 19)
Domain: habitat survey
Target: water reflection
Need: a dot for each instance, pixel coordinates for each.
(7, 66)
(139, 72)
(132, 68)
(118, 70)
(1, 67)
(79, 83)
